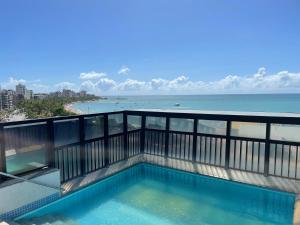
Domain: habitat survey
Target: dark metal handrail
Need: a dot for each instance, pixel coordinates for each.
(110, 143)
(31, 181)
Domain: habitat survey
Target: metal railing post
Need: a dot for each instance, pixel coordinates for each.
(143, 134)
(106, 153)
(167, 136)
(2, 152)
(50, 143)
(267, 150)
(125, 134)
(227, 149)
(195, 139)
(82, 145)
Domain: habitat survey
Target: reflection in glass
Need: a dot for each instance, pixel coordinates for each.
(94, 127)
(184, 125)
(25, 147)
(285, 132)
(158, 123)
(134, 122)
(212, 127)
(115, 123)
(66, 132)
(248, 129)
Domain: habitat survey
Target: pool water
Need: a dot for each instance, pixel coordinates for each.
(148, 194)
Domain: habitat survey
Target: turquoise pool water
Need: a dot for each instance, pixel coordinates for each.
(147, 194)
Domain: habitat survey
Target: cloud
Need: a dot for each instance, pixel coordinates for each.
(99, 86)
(132, 85)
(93, 82)
(124, 70)
(259, 82)
(36, 85)
(64, 85)
(91, 75)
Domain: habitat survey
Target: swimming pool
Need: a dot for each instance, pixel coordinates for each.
(148, 194)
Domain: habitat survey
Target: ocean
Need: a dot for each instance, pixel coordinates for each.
(245, 103)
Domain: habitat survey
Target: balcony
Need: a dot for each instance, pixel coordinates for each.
(260, 149)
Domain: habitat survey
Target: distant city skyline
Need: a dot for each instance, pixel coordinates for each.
(155, 47)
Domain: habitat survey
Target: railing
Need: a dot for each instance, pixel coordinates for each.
(31, 181)
(81, 144)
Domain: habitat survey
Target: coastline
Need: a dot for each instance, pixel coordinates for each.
(70, 108)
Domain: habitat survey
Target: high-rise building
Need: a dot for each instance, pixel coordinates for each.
(40, 96)
(82, 93)
(7, 99)
(68, 93)
(21, 90)
(1, 106)
(28, 94)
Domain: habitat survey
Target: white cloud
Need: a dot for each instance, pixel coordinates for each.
(64, 85)
(133, 85)
(12, 82)
(124, 70)
(259, 82)
(91, 75)
(99, 86)
(36, 85)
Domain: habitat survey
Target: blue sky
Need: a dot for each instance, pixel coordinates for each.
(155, 46)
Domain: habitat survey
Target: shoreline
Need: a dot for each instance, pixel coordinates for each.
(70, 108)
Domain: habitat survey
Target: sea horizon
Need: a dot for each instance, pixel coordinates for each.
(262, 102)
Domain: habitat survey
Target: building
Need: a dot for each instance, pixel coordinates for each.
(82, 93)
(20, 90)
(40, 96)
(1, 107)
(68, 93)
(28, 94)
(56, 94)
(7, 99)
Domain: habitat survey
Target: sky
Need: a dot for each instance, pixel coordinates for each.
(111, 47)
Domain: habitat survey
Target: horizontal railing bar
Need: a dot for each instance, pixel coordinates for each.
(152, 129)
(115, 135)
(211, 135)
(10, 123)
(284, 142)
(31, 181)
(66, 145)
(133, 131)
(222, 117)
(94, 139)
(206, 116)
(179, 132)
(247, 139)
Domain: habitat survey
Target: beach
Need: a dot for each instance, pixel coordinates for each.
(70, 108)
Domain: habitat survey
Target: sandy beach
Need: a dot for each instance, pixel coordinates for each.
(70, 108)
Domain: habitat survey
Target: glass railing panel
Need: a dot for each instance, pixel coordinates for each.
(66, 132)
(134, 122)
(115, 123)
(94, 127)
(183, 125)
(212, 127)
(285, 132)
(25, 147)
(158, 123)
(248, 129)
